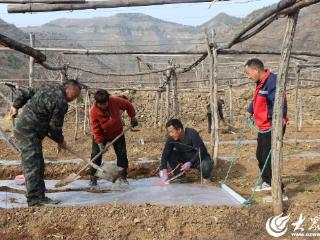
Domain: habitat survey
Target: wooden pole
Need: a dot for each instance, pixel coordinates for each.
(86, 107)
(168, 90)
(31, 60)
(300, 111)
(161, 111)
(24, 8)
(277, 121)
(156, 109)
(76, 120)
(230, 105)
(42, 1)
(175, 101)
(214, 137)
(20, 47)
(296, 103)
(215, 108)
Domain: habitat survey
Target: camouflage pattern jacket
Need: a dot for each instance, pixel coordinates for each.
(43, 112)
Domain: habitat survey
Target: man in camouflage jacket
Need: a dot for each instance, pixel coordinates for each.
(42, 115)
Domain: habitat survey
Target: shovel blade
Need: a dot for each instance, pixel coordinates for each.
(69, 179)
(111, 172)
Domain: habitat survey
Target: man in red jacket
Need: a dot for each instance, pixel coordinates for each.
(106, 125)
(261, 109)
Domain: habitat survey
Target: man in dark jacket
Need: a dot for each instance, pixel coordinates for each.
(42, 115)
(261, 109)
(183, 147)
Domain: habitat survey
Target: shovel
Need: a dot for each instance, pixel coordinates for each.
(109, 172)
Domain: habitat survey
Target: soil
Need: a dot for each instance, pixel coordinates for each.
(301, 178)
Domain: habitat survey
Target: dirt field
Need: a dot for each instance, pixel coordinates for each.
(301, 177)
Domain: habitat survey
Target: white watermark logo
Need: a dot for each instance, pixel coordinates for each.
(277, 226)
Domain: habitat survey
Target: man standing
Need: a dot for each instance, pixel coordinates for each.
(261, 109)
(106, 125)
(182, 147)
(42, 115)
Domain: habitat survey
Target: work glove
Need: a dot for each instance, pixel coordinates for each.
(164, 175)
(134, 122)
(186, 166)
(101, 146)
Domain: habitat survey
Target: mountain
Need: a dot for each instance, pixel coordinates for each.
(11, 61)
(131, 31)
(220, 23)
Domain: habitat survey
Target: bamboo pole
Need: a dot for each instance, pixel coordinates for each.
(277, 122)
(31, 60)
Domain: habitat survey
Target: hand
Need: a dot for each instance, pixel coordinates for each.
(101, 147)
(62, 145)
(186, 166)
(164, 175)
(13, 112)
(134, 122)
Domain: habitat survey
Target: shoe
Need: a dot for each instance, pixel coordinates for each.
(263, 187)
(93, 181)
(268, 199)
(120, 184)
(45, 201)
(206, 181)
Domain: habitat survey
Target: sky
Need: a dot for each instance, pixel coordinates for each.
(187, 14)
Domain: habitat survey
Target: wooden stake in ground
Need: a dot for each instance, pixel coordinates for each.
(277, 121)
(230, 105)
(76, 120)
(214, 137)
(296, 103)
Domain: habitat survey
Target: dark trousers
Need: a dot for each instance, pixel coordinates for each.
(32, 165)
(262, 152)
(120, 149)
(206, 164)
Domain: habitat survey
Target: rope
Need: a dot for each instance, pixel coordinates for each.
(248, 121)
(249, 201)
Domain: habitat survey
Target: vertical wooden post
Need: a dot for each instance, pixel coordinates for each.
(168, 99)
(300, 102)
(139, 69)
(277, 121)
(214, 137)
(161, 110)
(86, 107)
(31, 60)
(76, 120)
(156, 109)
(230, 105)
(296, 103)
(175, 101)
